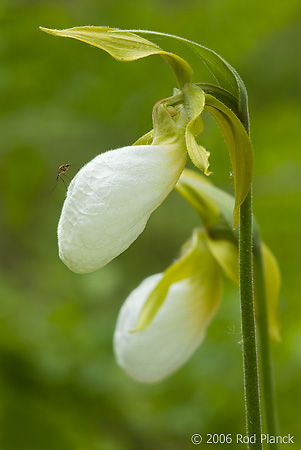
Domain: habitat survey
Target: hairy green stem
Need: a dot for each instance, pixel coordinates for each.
(268, 390)
(251, 383)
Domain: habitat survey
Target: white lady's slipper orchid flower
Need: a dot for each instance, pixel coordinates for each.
(110, 200)
(178, 326)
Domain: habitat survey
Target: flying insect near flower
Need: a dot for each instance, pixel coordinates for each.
(62, 173)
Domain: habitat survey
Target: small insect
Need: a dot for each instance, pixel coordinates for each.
(62, 173)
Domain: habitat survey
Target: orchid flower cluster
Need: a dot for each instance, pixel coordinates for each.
(111, 198)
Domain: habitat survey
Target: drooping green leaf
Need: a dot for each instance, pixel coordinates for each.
(224, 73)
(239, 147)
(125, 46)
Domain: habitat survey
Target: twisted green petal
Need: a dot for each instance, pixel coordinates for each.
(239, 147)
(196, 260)
(194, 102)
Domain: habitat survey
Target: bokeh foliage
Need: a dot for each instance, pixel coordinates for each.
(63, 101)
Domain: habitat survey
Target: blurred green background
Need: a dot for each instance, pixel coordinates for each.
(63, 101)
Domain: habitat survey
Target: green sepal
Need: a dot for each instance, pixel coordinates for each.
(239, 147)
(225, 253)
(221, 94)
(214, 206)
(126, 46)
(146, 139)
(226, 76)
(188, 265)
(194, 102)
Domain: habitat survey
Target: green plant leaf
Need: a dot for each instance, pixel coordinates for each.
(221, 94)
(126, 46)
(239, 147)
(226, 76)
